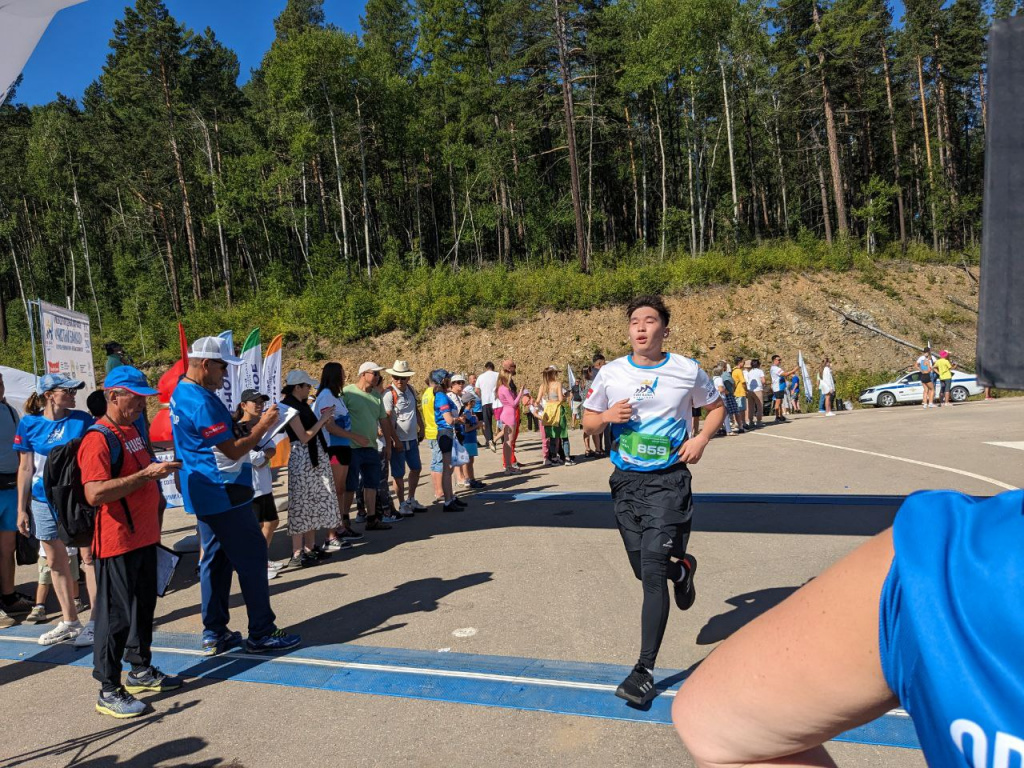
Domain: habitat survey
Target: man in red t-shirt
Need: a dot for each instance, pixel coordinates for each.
(124, 545)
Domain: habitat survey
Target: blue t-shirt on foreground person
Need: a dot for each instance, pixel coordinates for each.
(951, 625)
(199, 422)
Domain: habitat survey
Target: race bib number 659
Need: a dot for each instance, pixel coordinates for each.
(645, 448)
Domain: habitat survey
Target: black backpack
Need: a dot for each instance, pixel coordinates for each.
(62, 482)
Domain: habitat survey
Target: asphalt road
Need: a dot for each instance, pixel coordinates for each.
(532, 571)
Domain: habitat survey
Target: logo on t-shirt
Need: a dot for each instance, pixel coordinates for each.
(17, 439)
(216, 429)
(57, 436)
(646, 390)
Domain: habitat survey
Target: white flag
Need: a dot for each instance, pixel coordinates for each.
(808, 386)
(572, 378)
(270, 385)
(229, 392)
(252, 358)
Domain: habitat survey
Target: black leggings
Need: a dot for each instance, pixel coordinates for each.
(654, 570)
(488, 420)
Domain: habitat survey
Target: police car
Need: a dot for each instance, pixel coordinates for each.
(908, 389)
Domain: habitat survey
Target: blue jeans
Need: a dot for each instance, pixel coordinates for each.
(232, 541)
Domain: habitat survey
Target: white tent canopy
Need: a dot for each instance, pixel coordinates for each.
(22, 23)
(18, 385)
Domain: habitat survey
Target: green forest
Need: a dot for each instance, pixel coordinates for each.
(488, 156)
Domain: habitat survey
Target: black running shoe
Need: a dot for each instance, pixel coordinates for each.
(638, 688)
(684, 590)
(374, 524)
(459, 503)
(453, 507)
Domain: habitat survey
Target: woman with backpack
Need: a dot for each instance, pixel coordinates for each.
(50, 421)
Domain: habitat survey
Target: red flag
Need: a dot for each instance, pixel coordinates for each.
(184, 345)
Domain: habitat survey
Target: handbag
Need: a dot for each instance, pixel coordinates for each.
(460, 456)
(552, 415)
(26, 549)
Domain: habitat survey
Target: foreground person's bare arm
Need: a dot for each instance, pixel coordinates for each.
(795, 677)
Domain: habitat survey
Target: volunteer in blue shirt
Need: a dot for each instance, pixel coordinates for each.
(50, 420)
(221, 500)
(927, 615)
(649, 398)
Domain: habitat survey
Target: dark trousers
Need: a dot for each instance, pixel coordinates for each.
(232, 541)
(488, 411)
(123, 614)
(654, 570)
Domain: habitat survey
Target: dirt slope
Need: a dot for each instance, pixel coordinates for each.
(776, 315)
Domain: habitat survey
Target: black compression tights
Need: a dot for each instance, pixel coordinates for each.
(654, 570)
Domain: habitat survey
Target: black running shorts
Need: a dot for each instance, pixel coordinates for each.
(265, 508)
(653, 510)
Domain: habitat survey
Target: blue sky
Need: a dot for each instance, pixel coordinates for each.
(72, 52)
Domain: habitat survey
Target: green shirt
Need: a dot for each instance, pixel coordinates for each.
(114, 361)
(366, 410)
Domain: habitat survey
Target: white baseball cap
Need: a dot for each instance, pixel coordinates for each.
(369, 366)
(297, 377)
(213, 348)
(458, 377)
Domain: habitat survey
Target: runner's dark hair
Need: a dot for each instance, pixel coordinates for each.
(489, 365)
(654, 302)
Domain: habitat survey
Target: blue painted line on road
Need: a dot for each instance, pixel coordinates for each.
(837, 499)
(543, 685)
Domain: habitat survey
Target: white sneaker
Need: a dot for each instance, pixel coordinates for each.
(65, 630)
(277, 565)
(272, 574)
(405, 510)
(416, 506)
(87, 635)
(831, 413)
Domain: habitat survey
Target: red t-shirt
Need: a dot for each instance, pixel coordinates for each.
(113, 537)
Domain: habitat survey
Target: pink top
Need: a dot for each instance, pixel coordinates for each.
(509, 405)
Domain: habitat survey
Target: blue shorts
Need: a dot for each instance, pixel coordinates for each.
(471, 445)
(438, 448)
(365, 466)
(44, 522)
(9, 510)
(409, 456)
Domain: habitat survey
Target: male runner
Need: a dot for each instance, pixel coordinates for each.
(648, 399)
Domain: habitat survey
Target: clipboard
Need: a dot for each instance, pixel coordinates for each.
(166, 561)
(284, 415)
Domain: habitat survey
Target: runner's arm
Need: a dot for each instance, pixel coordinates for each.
(796, 676)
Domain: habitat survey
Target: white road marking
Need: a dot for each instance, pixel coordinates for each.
(514, 679)
(1019, 446)
(965, 473)
(464, 632)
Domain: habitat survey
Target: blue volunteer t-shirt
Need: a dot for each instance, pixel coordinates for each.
(443, 405)
(472, 422)
(951, 626)
(199, 421)
(39, 435)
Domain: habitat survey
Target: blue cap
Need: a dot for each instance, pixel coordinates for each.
(132, 379)
(439, 375)
(53, 381)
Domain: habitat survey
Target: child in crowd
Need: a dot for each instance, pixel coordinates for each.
(470, 438)
(38, 613)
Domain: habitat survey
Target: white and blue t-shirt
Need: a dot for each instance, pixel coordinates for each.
(663, 397)
(199, 421)
(39, 435)
(951, 625)
(342, 420)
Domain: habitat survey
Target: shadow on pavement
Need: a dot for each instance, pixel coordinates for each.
(237, 602)
(80, 751)
(746, 608)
